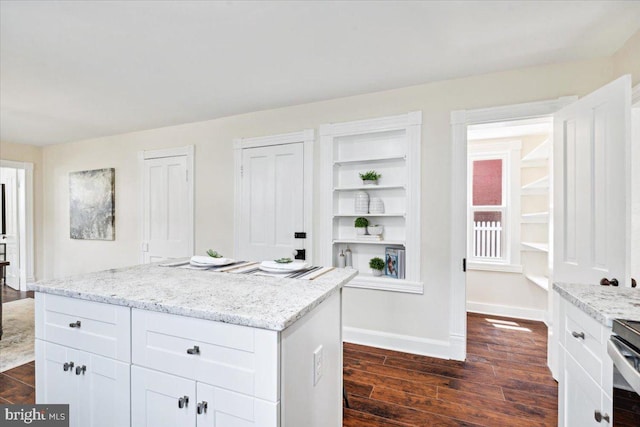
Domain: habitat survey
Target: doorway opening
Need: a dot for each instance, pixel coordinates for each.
(508, 221)
(16, 241)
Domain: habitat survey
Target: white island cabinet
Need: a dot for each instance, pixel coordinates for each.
(148, 354)
(583, 315)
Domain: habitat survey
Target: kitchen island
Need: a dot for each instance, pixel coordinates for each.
(582, 320)
(151, 345)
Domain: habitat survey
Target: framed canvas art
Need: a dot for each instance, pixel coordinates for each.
(92, 204)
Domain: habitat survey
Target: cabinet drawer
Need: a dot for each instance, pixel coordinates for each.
(588, 346)
(99, 328)
(237, 358)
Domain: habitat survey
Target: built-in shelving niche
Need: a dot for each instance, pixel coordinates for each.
(391, 147)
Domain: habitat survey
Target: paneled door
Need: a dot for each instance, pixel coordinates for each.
(167, 206)
(272, 201)
(592, 187)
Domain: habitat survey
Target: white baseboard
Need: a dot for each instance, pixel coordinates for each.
(397, 342)
(507, 311)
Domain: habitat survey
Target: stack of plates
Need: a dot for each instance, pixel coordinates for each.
(207, 261)
(276, 267)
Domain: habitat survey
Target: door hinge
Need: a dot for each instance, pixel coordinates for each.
(464, 264)
(241, 171)
(186, 172)
(145, 247)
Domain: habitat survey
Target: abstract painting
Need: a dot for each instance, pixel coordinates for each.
(92, 204)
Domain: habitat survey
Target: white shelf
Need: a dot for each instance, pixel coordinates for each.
(371, 242)
(536, 247)
(540, 186)
(371, 160)
(373, 215)
(370, 187)
(541, 281)
(541, 152)
(368, 281)
(536, 218)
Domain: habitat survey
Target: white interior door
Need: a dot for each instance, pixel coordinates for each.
(272, 204)
(168, 209)
(9, 177)
(592, 187)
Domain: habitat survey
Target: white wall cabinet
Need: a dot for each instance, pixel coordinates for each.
(585, 383)
(391, 147)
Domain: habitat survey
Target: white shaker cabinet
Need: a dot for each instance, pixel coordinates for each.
(585, 382)
(95, 387)
(77, 344)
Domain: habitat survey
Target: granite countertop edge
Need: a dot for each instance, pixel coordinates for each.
(275, 323)
(602, 303)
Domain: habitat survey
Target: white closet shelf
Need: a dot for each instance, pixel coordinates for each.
(368, 281)
(541, 152)
(540, 186)
(536, 218)
(371, 242)
(536, 247)
(541, 281)
(355, 215)
(370, 187)
(371, 160)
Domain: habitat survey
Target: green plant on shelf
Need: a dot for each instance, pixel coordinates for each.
(361, 222)
(370, 176)
(376, 264)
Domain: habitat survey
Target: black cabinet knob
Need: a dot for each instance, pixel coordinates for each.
(75, 324)
(578, 334)
(183, 402)
(81, 369)
(194, 350)
(202, 407)
(599, 416)
(67, 366)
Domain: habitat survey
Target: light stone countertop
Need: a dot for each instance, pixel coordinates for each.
(243, 299)
(603, 303)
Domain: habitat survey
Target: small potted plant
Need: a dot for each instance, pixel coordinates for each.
(361, 225)
(370, 177)
(377, 265)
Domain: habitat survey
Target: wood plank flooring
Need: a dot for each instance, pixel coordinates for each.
(504, 382)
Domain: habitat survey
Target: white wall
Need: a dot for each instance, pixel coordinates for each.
(422, 317)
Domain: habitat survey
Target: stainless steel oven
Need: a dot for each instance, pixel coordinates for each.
(624, 350)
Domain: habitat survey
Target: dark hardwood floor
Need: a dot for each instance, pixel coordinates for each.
(504, 382)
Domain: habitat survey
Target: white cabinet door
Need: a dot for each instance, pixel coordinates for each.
(580, 397)
(272, 201)
(156, 397)
(592, 186)
(54, 384)
(230, 409)
(103, 391)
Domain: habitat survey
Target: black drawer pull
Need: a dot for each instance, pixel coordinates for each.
(202, 407)
(67, 366)
(81, 369)
(599, 416)
(194, 350)
(183, 401)
(75, 324)
(578, 334)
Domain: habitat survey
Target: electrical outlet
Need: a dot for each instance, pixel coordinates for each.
(318, 362)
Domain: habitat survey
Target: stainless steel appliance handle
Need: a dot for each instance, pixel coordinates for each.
(624, 362)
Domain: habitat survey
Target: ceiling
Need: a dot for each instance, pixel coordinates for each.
(71, 70)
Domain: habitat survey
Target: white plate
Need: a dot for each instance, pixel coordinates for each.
(275, 267)
(207, 261)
